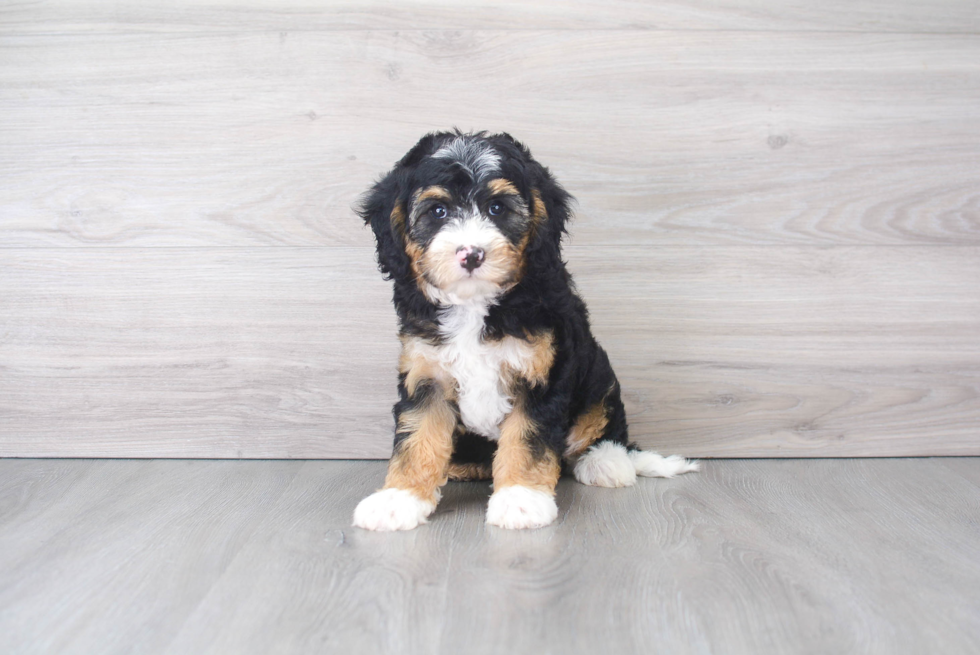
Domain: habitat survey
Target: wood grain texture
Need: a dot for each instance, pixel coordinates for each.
(701, 138)
(777, 228)
(203, 353)
(865, 360)
(946, 16)
(115, 529)
(747, 557)
(962, 467)
(291, 352)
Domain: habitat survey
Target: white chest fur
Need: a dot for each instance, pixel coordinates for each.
(478, 367)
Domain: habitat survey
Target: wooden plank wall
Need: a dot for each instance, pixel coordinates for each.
(778, 223)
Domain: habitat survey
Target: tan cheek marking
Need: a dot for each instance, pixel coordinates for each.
(538, 212)
(398, 220)
(516, 255)
(440, 266)
(419, 261)
(515, 464)
(422, 461)
(504, 265)
(418, 258)
(586, 430)
(415, 255)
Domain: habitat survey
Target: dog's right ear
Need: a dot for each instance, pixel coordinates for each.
(383, 208)
(425, 146)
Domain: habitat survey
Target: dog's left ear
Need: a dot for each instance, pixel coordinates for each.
(549, 202)
(549, 206)
(383, 208)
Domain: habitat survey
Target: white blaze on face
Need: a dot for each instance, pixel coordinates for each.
(451, 282)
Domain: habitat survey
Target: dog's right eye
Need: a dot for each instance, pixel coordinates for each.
(439, 211)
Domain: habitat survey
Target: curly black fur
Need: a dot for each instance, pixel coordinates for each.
(543, 300)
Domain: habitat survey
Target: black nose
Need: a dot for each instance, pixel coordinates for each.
(470, 258)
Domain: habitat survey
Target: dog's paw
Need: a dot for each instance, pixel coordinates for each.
(520, 507)
(392, 509)
(605, 464)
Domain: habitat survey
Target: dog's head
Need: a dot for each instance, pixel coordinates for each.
(466, 216)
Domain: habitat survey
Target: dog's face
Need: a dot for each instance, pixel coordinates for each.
(462, 216)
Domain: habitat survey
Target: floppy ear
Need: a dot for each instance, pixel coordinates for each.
(550, 208)
(549, 202)
(424, 146)
(383, 208)
(552, 218)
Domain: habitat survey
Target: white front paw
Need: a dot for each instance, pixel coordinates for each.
(520, 507)
(392, 509)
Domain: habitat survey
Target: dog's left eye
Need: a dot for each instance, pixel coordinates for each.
(496, 208)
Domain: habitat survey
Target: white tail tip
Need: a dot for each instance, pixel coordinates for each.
(652, 465)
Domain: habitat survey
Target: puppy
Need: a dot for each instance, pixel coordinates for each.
(499, 374)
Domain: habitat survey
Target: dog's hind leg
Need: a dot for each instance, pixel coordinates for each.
(472, 458)
(599, 448)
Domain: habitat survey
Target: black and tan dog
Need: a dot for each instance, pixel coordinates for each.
(499, 374)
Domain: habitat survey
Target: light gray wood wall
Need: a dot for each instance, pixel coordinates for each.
(777, 230)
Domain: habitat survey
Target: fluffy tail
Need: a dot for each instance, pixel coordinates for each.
(610, 464)
(651, 465)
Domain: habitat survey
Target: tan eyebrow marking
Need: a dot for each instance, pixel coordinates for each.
(432, 193)
(500, 186)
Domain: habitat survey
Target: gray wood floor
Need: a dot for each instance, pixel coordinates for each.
(750, 556)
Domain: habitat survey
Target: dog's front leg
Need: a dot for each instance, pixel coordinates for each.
(425, 422)
(525, 472)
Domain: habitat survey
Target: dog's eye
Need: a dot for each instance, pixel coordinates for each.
(496, 208)
(439, 211)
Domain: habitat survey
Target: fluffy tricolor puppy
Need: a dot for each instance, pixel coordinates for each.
(499, 374)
